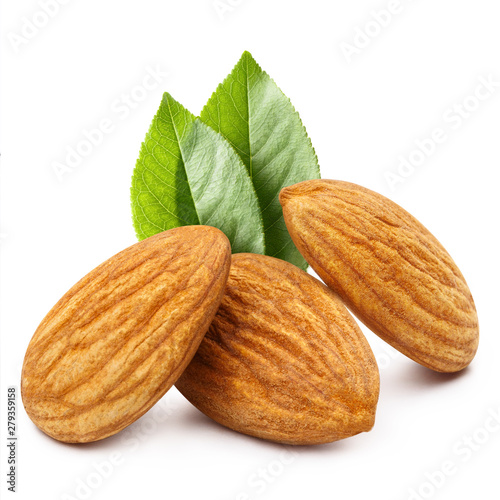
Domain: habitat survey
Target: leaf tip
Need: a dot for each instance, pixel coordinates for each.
(167, 97)
(247, 59)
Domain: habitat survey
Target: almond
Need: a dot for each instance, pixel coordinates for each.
(391, 272)
(283, 359)
(118, 340)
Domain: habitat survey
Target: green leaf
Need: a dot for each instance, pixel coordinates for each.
(261, 124)
(161, 196)
(188, 174)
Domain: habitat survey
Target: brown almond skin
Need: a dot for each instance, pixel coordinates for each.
(283, 359)
(119, 339)
(390, 271)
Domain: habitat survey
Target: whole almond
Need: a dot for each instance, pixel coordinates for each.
(283, 359)
(118, 340)
(391, 272)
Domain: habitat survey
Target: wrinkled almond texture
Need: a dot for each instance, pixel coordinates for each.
(283, 359)
(388, 268)
(118, 340)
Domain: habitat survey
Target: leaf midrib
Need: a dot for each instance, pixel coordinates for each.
(174, 126)
(250, 158)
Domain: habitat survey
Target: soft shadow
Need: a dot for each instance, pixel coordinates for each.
(110, 443)
(186, 418)
(420, 377)
(194, 417)
(103, 444)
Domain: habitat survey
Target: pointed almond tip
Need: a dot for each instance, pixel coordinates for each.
(214, 232)
(285, 194)
(370, 421)
(300, 188)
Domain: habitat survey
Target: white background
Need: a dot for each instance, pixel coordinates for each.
(361, 116)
